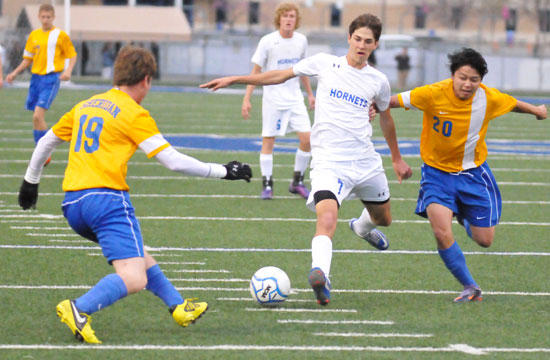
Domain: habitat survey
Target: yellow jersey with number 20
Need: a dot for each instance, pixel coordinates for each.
(104, 132)
(454, 130)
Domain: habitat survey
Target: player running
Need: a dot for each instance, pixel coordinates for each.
(104, 132)
(344, 162)
(46, 50)
(456, 179)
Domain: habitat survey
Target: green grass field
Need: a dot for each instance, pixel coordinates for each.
(211, 236)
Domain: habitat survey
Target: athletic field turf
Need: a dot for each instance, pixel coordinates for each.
(210, 236)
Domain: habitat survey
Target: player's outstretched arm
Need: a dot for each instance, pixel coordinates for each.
(24, 64)
(176, 161)
(401, 168)
(541, 112)
(272, 77)
(28, 192)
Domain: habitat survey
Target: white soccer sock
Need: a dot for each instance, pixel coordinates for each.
(302, 160)
(321, 253)
(364, 224)
(266, 165)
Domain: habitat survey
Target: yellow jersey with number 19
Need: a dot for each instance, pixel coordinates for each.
(454, 130)
(104, 132)
(48, 50)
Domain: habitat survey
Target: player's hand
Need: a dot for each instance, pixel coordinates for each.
(65, 76)
(217, 83)
(238, 171)
(10, 77)
(245, 109)
(542, 113)
(373, 110)
(402, 170)
(28, 194)
(311, 100)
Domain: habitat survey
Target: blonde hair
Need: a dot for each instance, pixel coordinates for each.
(281, 9)
(46, 8)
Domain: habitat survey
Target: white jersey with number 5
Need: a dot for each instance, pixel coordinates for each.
(342, 130)
(277, 53)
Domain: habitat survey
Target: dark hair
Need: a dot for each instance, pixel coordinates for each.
(132, 65)
(369, 21)
(470, 57)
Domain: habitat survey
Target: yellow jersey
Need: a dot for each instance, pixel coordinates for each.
(104, 132)
(48, 50)
(454, 130)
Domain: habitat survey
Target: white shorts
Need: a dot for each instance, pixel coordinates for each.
(278, 122)
(364, 179)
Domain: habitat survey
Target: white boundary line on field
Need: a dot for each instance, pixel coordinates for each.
(377, 335)
(181, 177)
(29, 217)
(342, 291)
(336, 322)
(352, 251)
(461, 348)
(229, 196)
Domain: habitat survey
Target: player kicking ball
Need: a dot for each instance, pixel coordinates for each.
(104, 132)
(456, 179)
(344, 162)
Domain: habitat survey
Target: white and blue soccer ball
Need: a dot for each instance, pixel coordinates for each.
(270, 286)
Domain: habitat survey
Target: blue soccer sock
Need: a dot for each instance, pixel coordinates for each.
(158, 284)
(456, 262)
(106, 292)
(38, 134)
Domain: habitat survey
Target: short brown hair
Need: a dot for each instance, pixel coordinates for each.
(369, 21)
(281, 9)
(47, 8)
(132, 65)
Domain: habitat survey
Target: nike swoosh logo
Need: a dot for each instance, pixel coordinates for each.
(80, 320)
(443, 113)
(480, 218)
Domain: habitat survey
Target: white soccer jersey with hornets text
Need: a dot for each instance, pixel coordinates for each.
(342, 130)
(277, 53)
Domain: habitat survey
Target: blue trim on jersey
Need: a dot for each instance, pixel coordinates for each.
(42, 90)
(107, 217)
(472, 193)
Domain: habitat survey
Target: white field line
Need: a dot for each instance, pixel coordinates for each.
(40, 228)
(35, 215)
(336, 322)
(83, 241)
(278, 309)
(343, 251)
(177, 177)
(233, 280)
(247, 290)
(59, 235)
(255, 197)
(387, 168)
(452, 348)
(253, 300)
(379, 335)
(190, 271)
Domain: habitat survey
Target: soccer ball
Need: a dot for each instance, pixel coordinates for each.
(270, 286)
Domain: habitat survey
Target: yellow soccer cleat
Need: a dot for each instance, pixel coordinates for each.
(186, 313)
(79, 323)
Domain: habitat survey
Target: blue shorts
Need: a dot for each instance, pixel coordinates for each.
(42, 90)
(472, 193)
(107, 217)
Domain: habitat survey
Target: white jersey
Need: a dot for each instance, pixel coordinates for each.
(342, 130)
(277, 53)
